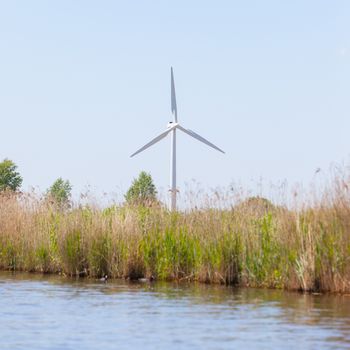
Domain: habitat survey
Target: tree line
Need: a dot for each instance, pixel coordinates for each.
(142, 191)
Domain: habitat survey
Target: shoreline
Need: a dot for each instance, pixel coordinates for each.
(147, 281)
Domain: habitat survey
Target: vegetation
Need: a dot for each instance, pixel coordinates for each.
(305, 249)
(10, 179)
(60, 193)
(142, 191)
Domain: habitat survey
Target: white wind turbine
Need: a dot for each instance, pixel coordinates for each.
(171, 128)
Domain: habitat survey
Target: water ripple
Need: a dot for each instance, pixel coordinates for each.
(47, 312)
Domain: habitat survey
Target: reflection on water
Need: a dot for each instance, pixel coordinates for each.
(50, 312)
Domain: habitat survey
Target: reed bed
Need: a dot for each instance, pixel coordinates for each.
(252, 243)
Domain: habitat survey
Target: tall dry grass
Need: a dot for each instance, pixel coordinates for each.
(253, 243)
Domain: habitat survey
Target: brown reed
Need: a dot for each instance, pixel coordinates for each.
(254, 243)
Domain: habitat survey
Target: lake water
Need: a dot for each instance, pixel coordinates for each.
(50, 312)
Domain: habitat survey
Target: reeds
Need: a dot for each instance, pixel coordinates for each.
(254, 243)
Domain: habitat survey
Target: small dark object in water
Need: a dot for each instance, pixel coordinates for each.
(144, 280)
(104, 278)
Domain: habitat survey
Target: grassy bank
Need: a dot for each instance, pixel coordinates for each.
(252, 244)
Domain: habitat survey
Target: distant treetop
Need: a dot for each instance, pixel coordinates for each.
(10, 179)
(60, 192)
(142, 190)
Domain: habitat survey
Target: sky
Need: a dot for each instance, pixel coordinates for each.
(84, 84)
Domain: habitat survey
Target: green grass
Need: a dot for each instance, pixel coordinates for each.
(253, 244)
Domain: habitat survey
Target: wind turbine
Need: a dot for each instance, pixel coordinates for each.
(171, 128)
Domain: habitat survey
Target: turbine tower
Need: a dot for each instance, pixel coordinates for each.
(171, 128)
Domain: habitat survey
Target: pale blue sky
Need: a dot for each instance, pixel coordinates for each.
(83, 84)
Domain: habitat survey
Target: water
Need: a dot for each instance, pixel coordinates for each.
(49, 312)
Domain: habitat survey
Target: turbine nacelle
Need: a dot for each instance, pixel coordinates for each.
(172, 125)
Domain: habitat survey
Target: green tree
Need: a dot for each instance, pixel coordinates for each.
(10, 179)
(142, 190)
(60, 192)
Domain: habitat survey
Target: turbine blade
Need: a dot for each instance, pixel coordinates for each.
(155, 140)
(199, 138)
(173, 97)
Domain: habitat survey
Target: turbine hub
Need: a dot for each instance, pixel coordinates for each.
(172, 125)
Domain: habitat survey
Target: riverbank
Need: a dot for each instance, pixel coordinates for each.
(254, 244)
